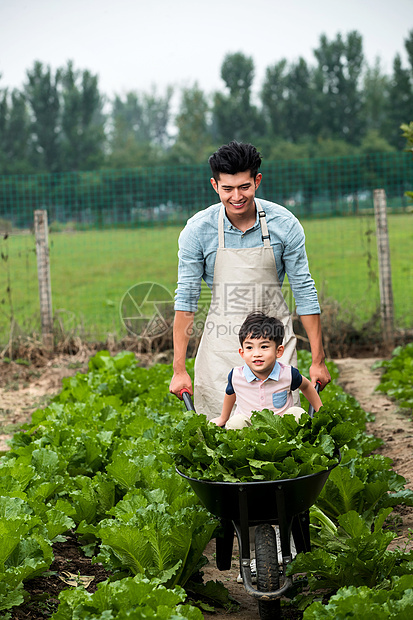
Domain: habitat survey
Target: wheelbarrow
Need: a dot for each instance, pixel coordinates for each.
(263, 504)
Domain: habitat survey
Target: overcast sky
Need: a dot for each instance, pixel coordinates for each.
(133, 44)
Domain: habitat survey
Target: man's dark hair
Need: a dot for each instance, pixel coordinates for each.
(233, 158)
(259, 325)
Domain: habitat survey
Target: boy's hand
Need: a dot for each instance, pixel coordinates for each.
(218, 421)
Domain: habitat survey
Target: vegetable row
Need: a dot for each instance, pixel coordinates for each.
(100, 461)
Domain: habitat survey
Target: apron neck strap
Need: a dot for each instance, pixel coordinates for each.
(221, 238)
(263, 223)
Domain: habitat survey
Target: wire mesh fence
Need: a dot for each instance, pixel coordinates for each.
(114, 230)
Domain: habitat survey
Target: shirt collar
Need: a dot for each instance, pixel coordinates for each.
(229, 226)
(274, 374)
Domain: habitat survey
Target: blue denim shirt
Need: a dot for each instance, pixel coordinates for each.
(198, 243)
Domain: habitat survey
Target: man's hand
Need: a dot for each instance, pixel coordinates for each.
(318, 368)
(319, 372)
(180, 381)
(182, 329)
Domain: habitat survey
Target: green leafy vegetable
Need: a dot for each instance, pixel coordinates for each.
(137, 598)
(272, 448)
(396, 380)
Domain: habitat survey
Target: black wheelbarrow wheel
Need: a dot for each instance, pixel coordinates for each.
(268, 574)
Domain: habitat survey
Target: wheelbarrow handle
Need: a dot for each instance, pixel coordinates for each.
(186, 397)
(311, 408)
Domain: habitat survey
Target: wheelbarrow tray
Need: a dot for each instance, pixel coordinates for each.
(251, 503)
(222, 499)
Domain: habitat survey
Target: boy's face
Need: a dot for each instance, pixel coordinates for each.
(260, 355)
(237, 192)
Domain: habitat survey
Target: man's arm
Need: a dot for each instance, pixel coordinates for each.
(181, 332)
(305, 294)
(318, 368)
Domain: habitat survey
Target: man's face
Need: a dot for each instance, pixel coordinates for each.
(237, 192)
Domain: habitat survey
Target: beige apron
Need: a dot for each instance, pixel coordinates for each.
(245, 279)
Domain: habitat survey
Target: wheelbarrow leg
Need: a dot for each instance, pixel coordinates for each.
(285, 527)
(224, 544)
(301, 532)
(243, 535)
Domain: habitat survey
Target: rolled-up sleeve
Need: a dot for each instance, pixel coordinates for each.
(297, 270)
(190, 271)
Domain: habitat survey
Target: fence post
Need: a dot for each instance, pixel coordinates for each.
(385, 279)
(43, 274)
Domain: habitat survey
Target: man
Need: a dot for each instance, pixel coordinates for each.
(242, 248)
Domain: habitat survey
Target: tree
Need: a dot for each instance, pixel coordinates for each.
(82, 120)
(340, 65)
(299, 109)
(274, 95)
(15, 145)
(407, 130)
(288, 100)
(141, 124)
(375, 98)
(400, 102)
(373, 142)
(67, 122)
(408, 44)
(234, 116)
(194, 134)
(42, 94)
(156, 116)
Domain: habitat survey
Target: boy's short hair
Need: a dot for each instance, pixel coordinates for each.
(233, 158)
(259, 325)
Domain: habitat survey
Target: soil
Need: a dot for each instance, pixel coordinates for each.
(24, 388)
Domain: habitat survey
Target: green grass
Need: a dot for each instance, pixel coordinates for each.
(342, 255)
(91, 271)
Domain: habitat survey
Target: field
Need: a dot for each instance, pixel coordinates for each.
(35, 384)
(91, 272)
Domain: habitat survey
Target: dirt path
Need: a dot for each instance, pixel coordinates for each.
(22, 390)
(396, 430)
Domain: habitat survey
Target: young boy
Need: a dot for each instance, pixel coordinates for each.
(263, 382)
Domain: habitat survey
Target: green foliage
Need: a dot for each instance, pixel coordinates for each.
(136, 598)
(25, 553)
(272, 448)
(100, 458)
(157, 541)
(338, 103)
(16, 150)
(400, 100)
(396, 380)
(235, 117)
(96, 458)
(364, 484)
(408, 134)
(348, 539)
(363, 602)
(68, 124)
(354, 554)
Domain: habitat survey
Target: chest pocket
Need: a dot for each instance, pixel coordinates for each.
(279, 399)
